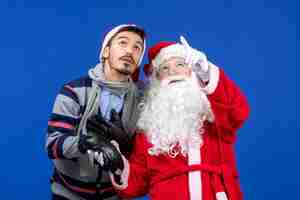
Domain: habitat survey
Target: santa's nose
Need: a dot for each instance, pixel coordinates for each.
(174, 72)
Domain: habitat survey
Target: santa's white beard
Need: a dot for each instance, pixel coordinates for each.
(173, 116)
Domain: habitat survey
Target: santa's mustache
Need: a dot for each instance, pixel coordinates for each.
(174, 79)
(174, 114)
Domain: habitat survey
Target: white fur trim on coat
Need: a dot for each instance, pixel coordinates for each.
(124, 176)
(195, 183)
(214, 75)
(221, 196)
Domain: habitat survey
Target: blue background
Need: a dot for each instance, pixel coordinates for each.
(46, 43)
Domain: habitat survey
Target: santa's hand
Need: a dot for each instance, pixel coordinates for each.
(108, 156)
(196, 59)
(120, 181)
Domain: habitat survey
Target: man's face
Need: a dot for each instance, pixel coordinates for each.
(123, 53)
(173, 68)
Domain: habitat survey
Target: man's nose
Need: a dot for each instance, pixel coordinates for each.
(129, 50)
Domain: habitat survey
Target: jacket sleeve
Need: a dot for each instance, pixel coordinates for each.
(139, 179)
(228, 103)
(61, 140)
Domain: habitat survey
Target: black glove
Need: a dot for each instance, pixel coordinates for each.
(112, 130)
(118, 132)
(85, 143)
(112, 159)
(91, 140)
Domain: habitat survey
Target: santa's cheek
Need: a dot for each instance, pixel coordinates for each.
(164, 82)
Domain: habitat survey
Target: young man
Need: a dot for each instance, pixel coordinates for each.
(107, 92)
(189, 120)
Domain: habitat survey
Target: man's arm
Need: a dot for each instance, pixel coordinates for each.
(61, 139)
(137, 177)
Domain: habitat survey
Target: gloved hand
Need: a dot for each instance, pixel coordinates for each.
(197, 60)
(93, 137)
(108, 157)
(112, 130)
(111, 159)
(97, 143)
(86, 142)
(120, 181)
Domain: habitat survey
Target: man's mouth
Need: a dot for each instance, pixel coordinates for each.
(127, 59)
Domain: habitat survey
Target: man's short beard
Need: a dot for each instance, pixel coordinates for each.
(124, 70)
(172, 116)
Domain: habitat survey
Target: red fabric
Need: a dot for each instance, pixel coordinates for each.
(231, 109)
(148, 70)
(152, 53)
(135, 75)
(154, 50)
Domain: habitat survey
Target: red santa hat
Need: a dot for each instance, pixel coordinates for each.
(160, 52)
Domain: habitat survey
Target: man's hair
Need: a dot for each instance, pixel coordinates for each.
(134, 29)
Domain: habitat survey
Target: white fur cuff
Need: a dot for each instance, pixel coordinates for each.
(124, 176)
(214, 75)
(221, 196)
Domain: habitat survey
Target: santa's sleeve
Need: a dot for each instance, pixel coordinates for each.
(228, 103)
(138, 181)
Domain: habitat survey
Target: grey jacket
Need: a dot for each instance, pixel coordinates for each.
(75, 176)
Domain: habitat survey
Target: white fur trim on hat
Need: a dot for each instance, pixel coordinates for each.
(175, 50)
(112, 33)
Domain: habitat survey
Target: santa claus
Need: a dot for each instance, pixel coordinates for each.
(188, 124)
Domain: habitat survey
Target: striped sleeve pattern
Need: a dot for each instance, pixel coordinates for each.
(86, 190)
(61, 142)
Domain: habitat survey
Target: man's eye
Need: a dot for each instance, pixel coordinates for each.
(137, 48)
(122, 43)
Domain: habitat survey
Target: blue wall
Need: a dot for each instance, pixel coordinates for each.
(45, 43)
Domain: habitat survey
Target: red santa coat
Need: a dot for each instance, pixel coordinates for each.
(163, 177)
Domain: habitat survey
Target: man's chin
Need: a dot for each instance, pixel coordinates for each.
(125, 69)
(124, 72)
